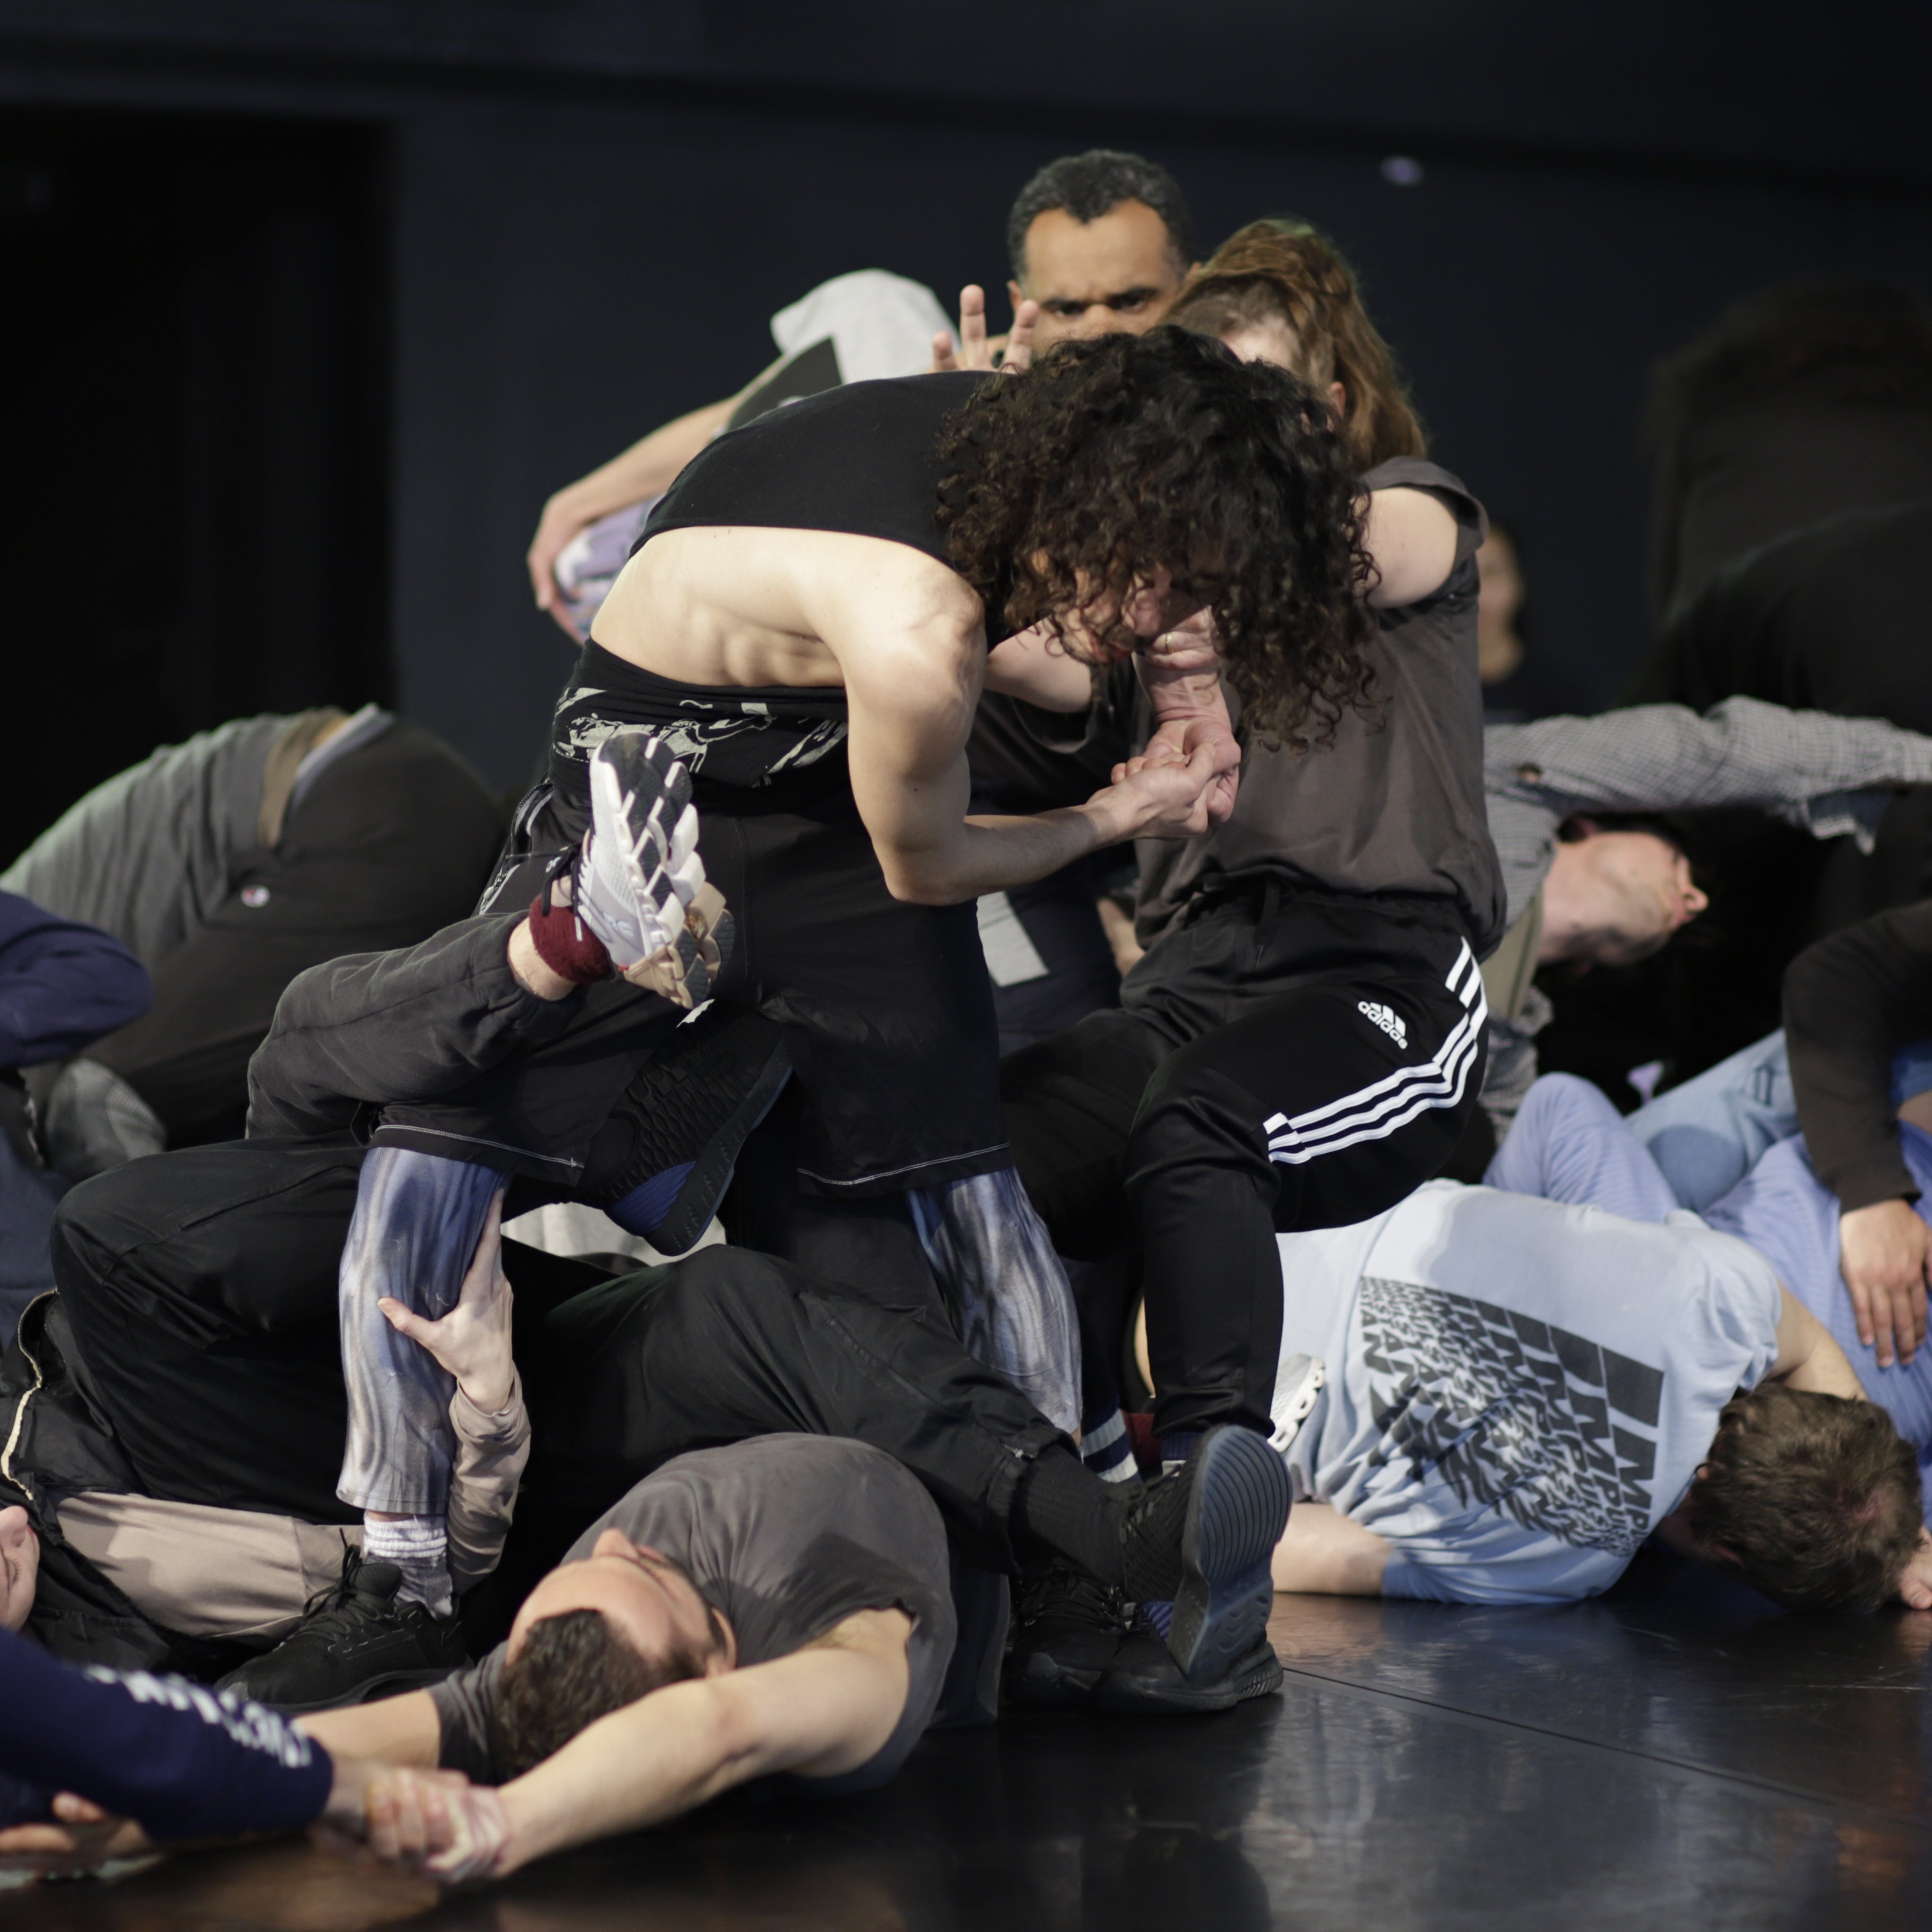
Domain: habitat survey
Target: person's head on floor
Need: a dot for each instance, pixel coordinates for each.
(1103, 241)
(19, 1567)
(1846, 343)
(1130, 481)
(597, 1634)
(1815, 1498)
(1617, 891)
(1280, 292)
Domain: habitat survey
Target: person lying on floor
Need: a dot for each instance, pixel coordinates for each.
(196, 1293)
(1850, 1067)
(780, 1602)
(1570, 1144)
(227, 864)
(1496, 1399)
(1595, 879)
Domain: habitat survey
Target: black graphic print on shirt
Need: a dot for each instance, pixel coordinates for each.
(1559, 1433)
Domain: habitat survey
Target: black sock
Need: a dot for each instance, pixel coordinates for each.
(1064, 1506)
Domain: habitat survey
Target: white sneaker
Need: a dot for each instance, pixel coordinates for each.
(639, 870)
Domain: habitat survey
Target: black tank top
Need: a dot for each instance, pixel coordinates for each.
(863, 459)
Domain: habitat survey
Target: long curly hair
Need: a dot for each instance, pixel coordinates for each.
(1284, 271)
(1115, 457)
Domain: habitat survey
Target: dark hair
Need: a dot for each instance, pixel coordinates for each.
(1816, 1496)
(1090, 185)
(1128, 453)
(1860, 342)
(571, 1669)
(1284, 271)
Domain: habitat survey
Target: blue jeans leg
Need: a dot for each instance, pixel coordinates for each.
(1569, 1144)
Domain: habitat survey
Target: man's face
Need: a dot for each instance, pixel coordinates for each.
(1115, 275)
(19, 1567)
(648, 1599)
(1644, 887)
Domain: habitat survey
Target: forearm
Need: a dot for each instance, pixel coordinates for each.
(1324, 1552)
(1666, 757)
(1807, 1356)
(1850, 1002)
(653, 1761)
(492, 1448)
(647, 468)
(402, 1730)
(992, 854)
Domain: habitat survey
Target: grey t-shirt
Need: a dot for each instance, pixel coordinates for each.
(788, 1535)
(1394, 803)
(1518, 1391)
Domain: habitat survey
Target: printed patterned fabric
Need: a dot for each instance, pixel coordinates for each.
(1553, 1429)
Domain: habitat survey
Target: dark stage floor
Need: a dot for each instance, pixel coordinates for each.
(1677, 1754)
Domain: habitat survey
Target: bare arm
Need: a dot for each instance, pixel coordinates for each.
(1323, 1552)
(1808, 1357)
(402, 1730)
(910, 716)
(1035, 666)
(647, 468)
(824, 1710)
(1410, 537)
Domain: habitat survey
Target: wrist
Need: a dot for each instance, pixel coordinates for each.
(489, 1394)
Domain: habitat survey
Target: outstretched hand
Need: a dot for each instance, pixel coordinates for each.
(1884, 1250)
(472, 1341)
(974, 348)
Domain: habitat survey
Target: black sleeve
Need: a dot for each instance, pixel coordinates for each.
(1850, 1002)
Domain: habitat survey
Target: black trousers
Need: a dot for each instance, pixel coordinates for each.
(885, 1009)
(200, 1288)
(1284, 1061)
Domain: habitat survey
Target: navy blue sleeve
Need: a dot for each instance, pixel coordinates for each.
(181, 1760)
(61, 984)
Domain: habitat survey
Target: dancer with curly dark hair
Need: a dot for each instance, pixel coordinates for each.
(1068, 482)
(797, 646)
(1302, 1043)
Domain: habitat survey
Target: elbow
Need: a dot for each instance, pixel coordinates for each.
(914, 884)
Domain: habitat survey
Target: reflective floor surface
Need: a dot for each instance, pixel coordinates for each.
(1676, 1754)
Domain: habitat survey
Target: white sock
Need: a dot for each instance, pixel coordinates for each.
(418, 1546)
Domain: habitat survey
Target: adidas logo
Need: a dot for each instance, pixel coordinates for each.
(1389, 1022)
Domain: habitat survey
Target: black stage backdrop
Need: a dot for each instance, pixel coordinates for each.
(347, 290)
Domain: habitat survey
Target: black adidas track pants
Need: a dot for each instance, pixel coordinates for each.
(1286, 1060)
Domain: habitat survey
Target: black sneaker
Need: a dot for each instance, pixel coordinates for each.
(1225, 1508)
(1144, 1679)
(355, 1641)
(1067, 1628)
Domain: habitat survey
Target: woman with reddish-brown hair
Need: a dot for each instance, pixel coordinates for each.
(1301, 1044)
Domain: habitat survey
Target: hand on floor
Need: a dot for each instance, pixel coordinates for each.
(85, 1839)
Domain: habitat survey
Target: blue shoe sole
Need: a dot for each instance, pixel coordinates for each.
(1235, 1516)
